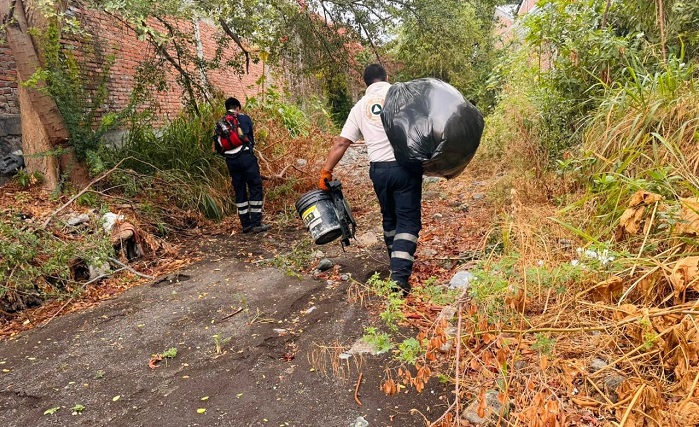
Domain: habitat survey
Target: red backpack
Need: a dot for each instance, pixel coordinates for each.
(228, 134)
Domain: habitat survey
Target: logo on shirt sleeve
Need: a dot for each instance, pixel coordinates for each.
(376, 109)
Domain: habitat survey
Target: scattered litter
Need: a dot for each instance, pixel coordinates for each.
(280, 331)
(597, 364)
(362, 347)
(324, 264)
(318, 254)
(99, 270)
(109, 219)
(310, 310)
(11, 163)
(461, 279)
(367, 239)
(77, 220)
(360, 422)
(429, 253)
(487, 410)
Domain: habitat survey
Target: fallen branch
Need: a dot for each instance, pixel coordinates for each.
(356, 389)
(56, 313)
(458, 357)
(83, 286)
(457, 338)
(279, 175)
(590, 328)
(121, 264)
(81, 192)
(631, 405)
(232, 314)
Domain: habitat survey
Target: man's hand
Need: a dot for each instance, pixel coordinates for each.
(325, 176)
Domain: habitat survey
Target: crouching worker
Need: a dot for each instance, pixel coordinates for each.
(398, 187)
(234, 139)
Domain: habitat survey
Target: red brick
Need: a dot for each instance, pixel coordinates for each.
(129, 52)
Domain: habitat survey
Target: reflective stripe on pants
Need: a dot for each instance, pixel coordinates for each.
(247, 185)
(399, 190)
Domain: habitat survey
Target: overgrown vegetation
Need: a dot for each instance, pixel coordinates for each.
(595, 139)
(80, 91)
(35, 264)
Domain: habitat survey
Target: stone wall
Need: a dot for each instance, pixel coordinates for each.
(9, 103)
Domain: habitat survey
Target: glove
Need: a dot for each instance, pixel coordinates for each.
(325, 176)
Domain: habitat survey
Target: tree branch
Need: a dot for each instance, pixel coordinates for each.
(183, 73)
(237, 41)
(83, 191)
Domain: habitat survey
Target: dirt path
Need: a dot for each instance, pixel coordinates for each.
(280, 338)
(262, 374)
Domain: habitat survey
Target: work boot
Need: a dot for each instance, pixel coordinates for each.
(247, 229)
(403, 288)
(260, 228)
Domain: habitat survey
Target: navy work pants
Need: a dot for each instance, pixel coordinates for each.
(399, 189)
(247, 185)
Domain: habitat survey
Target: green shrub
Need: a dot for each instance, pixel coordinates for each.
(178, 162)
(35, 262)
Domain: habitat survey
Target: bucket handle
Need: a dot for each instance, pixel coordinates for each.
(348, 225)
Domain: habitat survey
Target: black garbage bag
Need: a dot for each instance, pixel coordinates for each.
(429, 121)
(11, 163)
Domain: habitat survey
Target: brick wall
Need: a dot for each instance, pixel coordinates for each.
(121, 42)
(118, 40)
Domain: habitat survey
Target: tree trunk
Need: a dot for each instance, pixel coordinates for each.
(35, 142)
(43, 127)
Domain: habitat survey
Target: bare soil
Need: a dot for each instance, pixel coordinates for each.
(277, 364)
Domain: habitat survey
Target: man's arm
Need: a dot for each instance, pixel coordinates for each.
(340, 145)
(338, 149)
(246, 124)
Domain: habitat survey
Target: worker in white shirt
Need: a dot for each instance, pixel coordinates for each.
(398, 187)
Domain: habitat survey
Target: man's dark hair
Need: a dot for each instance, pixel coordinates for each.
(232, 104)
(374, 73)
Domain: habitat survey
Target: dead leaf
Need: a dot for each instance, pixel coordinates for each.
(153, 362)
(686, 413)
(625, 311)
(689, 217)
(685, 274)
(648, 403)
(608, 289)
(121, 231)
(481, 404)
(585, 401)
(630, 220)
(518, 301)
(644, 198)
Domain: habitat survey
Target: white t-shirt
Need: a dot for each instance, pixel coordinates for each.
(365, 120)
